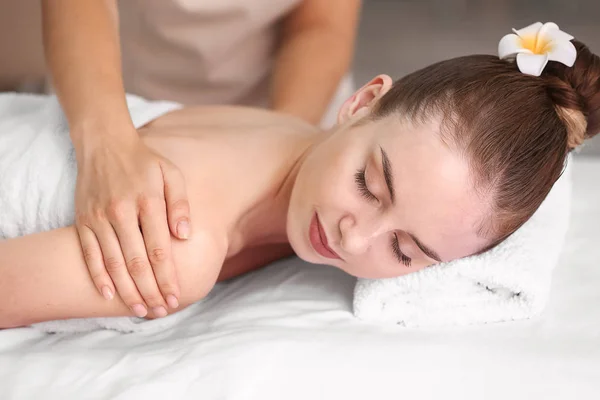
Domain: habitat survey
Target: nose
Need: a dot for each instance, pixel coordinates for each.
(357, 237)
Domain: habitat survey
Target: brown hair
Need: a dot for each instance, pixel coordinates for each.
(515, 129)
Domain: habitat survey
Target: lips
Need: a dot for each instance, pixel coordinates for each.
(318, 239)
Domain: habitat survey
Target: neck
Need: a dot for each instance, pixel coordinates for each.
(265, 223)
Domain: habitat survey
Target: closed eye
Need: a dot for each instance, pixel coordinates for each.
(361, 183)
(400, 256)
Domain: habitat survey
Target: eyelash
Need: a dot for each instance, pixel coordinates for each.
(361, 182)
(403, 258)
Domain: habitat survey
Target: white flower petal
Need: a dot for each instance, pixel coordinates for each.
(552, 32)
(509, 46)
(532, 64)
(531, 30)
(564, 52)
(548, 26)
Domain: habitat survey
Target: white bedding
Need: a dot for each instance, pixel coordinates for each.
(287, 332)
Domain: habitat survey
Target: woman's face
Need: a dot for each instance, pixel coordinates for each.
(383, 199)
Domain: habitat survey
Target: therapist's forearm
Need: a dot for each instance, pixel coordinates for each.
(308, 70)
(81, 44)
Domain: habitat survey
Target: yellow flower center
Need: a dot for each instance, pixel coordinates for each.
(536, 44)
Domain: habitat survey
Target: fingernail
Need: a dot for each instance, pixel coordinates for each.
(159, 311)
(107, 293)
(172, 301)
(183, 229)
(139, 310)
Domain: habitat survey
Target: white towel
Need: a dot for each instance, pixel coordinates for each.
(38, 173)
(510, 282)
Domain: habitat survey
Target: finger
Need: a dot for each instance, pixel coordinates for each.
(178, 206)
(137, 263)
(153, 221)
(116, 268)
(95, 264)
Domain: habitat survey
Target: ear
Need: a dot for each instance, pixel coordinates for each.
(363, 99)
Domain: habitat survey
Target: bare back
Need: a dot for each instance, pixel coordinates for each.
(230, 157)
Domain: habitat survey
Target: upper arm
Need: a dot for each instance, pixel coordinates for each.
(44, 277)
(340, 16)
(198, 263)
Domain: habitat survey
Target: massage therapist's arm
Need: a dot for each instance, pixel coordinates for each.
(315, 51)
(127, 197)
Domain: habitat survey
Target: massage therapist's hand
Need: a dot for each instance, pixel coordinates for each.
(128, 199)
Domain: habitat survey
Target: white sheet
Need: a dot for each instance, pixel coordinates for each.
(287, 332)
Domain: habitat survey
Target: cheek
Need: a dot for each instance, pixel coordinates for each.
(326, 180)
(380, 262)
(375, 268)
(379, 268)
(375, 263)
(462, 246)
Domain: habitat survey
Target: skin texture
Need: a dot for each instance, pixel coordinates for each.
(434, 196)
(317, 43)
(255, 180)
(123, 183)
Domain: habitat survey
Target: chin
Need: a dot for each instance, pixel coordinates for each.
(298, 245)
(298, 231)
(304, 250)
(297, 235)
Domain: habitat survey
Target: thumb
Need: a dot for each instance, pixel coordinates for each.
(178, 206)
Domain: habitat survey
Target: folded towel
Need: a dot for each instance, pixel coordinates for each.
(38, 172)
(509, 282)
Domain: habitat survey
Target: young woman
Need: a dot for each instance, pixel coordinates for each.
(445, 163)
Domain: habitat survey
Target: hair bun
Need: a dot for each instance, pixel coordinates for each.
(577, 88)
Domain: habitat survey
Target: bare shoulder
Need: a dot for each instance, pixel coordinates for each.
(225, 117)
(198, 262)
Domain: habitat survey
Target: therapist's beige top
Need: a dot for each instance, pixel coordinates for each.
(201, 51)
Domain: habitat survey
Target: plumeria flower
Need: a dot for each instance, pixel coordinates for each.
(537, 44)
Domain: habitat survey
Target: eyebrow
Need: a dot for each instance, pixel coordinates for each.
(430, 253)
(387, 174)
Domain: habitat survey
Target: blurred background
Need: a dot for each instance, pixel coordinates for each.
(395, 36)
(399, 36)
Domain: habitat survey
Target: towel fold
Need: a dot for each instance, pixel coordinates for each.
(509, 282)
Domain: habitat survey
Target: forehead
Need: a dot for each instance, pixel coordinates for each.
(437, 200)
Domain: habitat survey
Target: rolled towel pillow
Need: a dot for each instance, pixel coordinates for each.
(509, 282)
